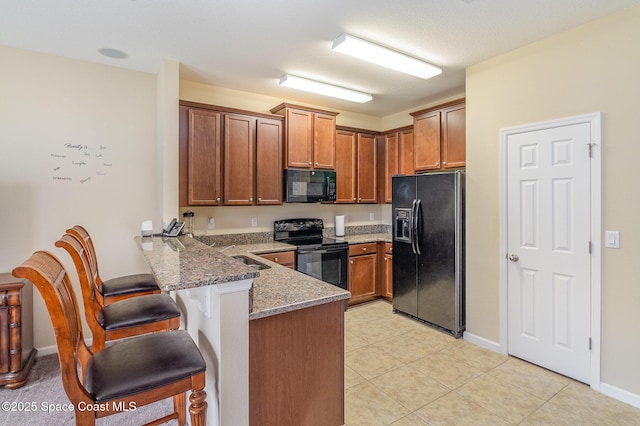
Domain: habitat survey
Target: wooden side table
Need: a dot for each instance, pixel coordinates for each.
(16, 331)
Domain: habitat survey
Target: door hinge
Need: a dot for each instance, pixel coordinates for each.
(590, 146)
(589, 247)
(589, 343)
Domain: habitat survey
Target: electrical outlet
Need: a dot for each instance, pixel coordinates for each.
(371, 216)
(211, 224)
(254, 222)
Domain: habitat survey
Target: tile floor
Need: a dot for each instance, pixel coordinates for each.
(401, 372)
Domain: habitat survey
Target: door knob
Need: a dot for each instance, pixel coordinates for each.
(513, 257)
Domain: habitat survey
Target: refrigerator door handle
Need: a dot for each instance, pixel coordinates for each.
(412, 235)
(416, 226)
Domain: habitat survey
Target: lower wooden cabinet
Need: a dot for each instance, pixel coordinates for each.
(284, 258)
(363, 261)
(386, 289)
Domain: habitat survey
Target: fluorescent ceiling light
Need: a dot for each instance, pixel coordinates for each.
(379, 55)
(300, 83)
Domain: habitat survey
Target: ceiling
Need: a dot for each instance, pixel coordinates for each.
(249, 44)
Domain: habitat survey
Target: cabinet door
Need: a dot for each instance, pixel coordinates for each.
(362, 277)
(324, 141)
(367, 165)
(299, 151)
(454, 137)
(346, 166)
(268, 161)
(426, 131)
(405, 153)
(204, 174)
(387, 290)
(238, 159)
(391, 149)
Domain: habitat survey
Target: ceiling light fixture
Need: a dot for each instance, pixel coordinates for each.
(379, 55)
(313, 86)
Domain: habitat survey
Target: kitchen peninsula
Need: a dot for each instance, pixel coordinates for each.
(273, 339)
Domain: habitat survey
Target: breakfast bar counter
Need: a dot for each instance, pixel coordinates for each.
(257, 330)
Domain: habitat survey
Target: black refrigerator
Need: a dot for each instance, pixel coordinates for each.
(428, 248)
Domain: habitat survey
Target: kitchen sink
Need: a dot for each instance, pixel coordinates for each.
(251, 262)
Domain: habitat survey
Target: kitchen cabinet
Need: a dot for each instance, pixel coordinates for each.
(228, 156)
(386, 290)
(398, 158)
(310, 137)
(284, 258)
(356, 167)
(200, 153)
(17, 354)
(439, 137)
(252, 158)
(362, 272)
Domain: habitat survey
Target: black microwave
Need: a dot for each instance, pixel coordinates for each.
(309, 186)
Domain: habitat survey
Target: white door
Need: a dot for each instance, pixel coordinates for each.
(549, 278)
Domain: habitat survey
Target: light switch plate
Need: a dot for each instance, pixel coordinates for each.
(254, 221)
(211, 223)
(371, 216)
(612, 239)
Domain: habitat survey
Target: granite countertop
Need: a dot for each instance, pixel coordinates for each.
(280, 289)
(183, 262)
(366, 238)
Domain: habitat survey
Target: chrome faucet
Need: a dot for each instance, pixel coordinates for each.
(227, 248)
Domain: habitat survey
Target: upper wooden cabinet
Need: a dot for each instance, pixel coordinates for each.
(356, 167)
(439, 137)
(310, 137)
(398, 157)
(229, 157)
(200, 157)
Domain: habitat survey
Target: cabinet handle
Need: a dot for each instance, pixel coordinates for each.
(437, 163)
(351, 262)
(259, 199)
(276, 259)
(310, 163)
(364, 249)
(354, 198)
(250, 198)
(444, 163)
(385, 259)
(316, 163)
(218, 199)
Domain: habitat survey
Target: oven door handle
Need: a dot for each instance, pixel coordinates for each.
(322, 251)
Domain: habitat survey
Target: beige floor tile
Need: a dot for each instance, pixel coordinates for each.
(473, 355)
(407, 349)
(367, 405)
(579, 401)
(451, 374)
(371, 361)
(531, 378)
(351, 378)
(353, 341)
(430, 335)
(409, 387)
(374, 332)
(507, 401)
(410, 420)
(455, 410)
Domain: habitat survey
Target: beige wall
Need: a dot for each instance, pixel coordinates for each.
(592, 68)
(45, 103)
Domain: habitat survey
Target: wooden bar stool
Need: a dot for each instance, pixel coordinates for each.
(124, 318)
(118, 288)
(132, 372)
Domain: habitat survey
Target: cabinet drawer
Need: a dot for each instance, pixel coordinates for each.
(285, 258)
(358, 249)
(388, 248)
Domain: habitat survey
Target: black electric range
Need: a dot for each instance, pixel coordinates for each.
(320, 257)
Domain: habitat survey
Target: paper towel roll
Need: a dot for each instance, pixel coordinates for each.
(340, 226)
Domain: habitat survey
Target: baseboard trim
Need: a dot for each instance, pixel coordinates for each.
(620, 394)
(485, 343)
(53, 349)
